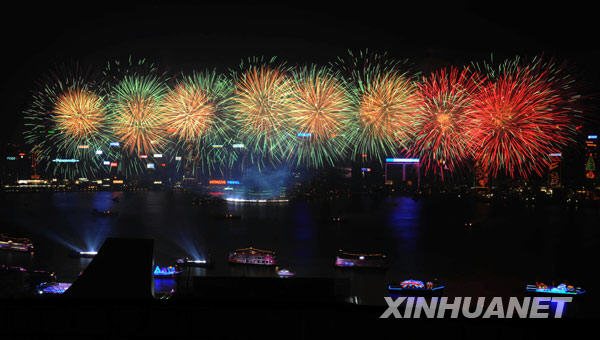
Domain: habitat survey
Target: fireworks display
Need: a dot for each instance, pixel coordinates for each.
(136, 114)
(506, 118)
(518, 122)
(444, 119)
(385, 112)
(79, 113)
(261, 107)
(385, 99)
(196, 117)
(320, 112)
(66, 116)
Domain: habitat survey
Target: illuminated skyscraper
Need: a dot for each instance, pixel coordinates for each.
(591, 159)
(555, 171)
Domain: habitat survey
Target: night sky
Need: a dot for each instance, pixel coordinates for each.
(183, 36)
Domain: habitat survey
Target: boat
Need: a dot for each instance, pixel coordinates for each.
(336, 219)
(104, 213)
(412, 285)
(561, 289)
(5, 268)
(87, 254)
(166, 272)
(188, 262)
(345, 259)
(53, 287)
(15, 243)
(285, 273)
(253, 256)
(229, 216)
(41, 276)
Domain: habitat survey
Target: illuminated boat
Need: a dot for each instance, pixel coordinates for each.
(5, 268)
(15, 243)
(253, 256)
(187, 262)
(336, 219)
(285, 273)
(411, 285)
(561, 289)
(166, 272)
(346, 259)
(53, 287)
(87, 254)
(41, 276)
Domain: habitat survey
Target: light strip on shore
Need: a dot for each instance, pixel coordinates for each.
(256, 200)
(402, 160)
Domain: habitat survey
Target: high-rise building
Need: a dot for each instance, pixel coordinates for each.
(591, 159)
(555, 170)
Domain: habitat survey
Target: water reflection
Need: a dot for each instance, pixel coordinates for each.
(419, 236)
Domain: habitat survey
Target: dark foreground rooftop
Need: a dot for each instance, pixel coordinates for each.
(113, 299)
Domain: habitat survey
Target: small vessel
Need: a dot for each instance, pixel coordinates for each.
(336, 219)
(253, 256)
(188, 262)
(78, 254)
(166, 272)
(41, 276)
(53, 287)
(561, 289)
(412, 285)
(345, 259)
(285, 273)
(229, 216)
(15, 243)
(5, 268)
(104, 213)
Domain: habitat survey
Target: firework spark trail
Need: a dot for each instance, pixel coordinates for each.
(136, 114)
(518, 121)
(367, 103)
(67, 112)
(196, 116)
(444, 119)
(386, 111)
(320, 110)
(384, 97)
(79, 113)
(261, 106)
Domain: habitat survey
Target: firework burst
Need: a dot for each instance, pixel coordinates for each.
(385, 99)
(136, 114)
(444, 119)
(66, 120)
(196, 117)
(385, 116)
(519, 119)
(261, 107)
(320, 111)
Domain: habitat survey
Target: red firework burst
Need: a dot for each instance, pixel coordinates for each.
(444, 118)
(518, 120)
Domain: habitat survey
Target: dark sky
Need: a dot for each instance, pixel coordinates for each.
(182, 36)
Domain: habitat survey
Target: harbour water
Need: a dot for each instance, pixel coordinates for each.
(507, 246)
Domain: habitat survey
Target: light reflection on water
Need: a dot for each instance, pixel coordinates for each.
(425, 240)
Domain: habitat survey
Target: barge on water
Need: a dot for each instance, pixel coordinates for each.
(414, 286)
(561, 289)
(345, 259)
(253, 256)
(22, 244)
(188, 262)
(166, 272)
